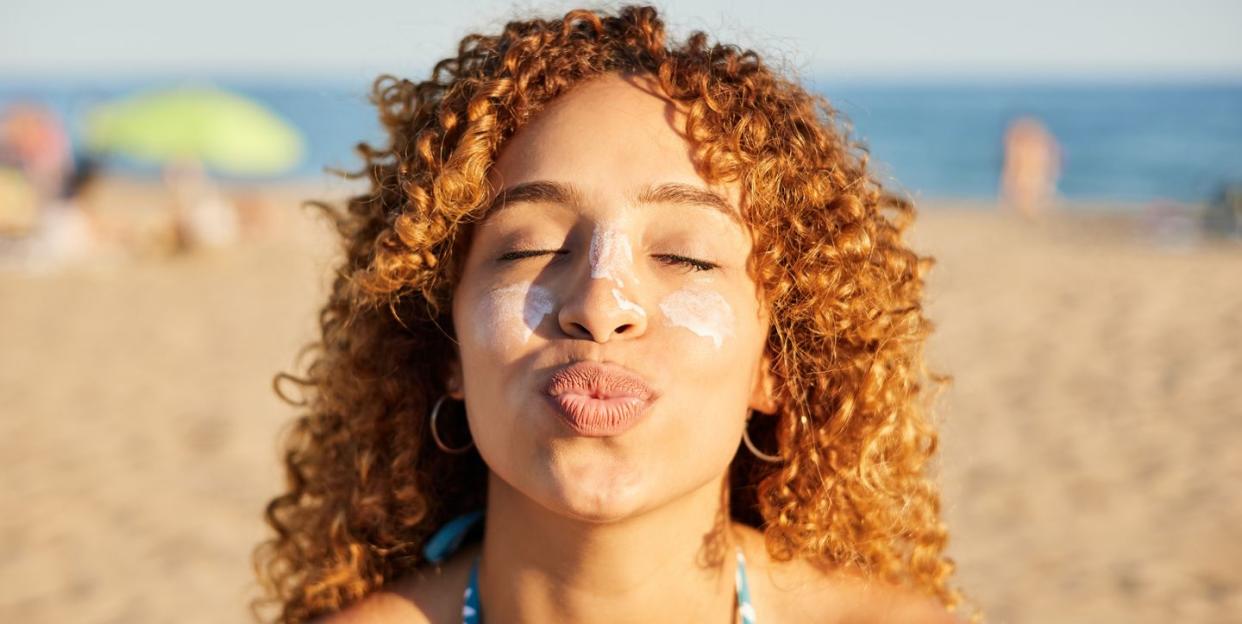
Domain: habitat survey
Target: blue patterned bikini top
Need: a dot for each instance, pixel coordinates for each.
(451, 535)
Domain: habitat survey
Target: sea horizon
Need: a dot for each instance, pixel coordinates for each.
(1124, 138)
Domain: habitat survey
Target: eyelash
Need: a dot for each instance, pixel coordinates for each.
(696, 265)
(691, 263)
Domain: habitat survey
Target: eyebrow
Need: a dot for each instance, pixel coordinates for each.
(543, 191)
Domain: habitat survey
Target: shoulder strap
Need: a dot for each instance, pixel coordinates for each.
(744, 607)
(471, 610)
(449, 537)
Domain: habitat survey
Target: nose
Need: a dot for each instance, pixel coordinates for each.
(600, 310)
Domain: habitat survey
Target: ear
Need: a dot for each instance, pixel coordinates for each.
(763, 389)
(453, 384)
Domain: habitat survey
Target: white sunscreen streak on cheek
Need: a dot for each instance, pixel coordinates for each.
(610, 255)
(538, 306)
(516, 311)
(703, 312)
(626, 304)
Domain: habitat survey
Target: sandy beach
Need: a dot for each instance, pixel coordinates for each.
(1089, 439)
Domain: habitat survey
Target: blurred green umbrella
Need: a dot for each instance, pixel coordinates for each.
(224, 131)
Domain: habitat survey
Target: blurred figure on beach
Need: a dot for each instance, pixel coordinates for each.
(1223, 216)
(40, 221)
(198, 135)
(34, 139)
(35, 159)
(203, 217)
(1031, 167)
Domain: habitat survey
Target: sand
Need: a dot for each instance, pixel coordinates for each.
(1089, 463)
(1089, 455)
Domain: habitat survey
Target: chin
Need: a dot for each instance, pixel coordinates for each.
(600, 494)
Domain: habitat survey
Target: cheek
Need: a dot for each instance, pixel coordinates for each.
(507, 317)
(704, 313)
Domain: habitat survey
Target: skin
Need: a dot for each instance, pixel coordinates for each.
(628, 528)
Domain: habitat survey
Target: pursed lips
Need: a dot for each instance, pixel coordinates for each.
(598, 399)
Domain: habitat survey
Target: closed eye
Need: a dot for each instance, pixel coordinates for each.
(530, 253)
(697, 265)
(671, 259)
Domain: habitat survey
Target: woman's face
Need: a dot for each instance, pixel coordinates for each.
(606, 247)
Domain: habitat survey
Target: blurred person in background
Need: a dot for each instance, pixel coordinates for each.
(33, 137)
(40, 181)
(1223, 216)
(1031, 167)
(203, 217)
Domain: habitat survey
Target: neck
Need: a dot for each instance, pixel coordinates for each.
(674, 563)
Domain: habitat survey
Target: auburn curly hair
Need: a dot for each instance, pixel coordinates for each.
(367, 486)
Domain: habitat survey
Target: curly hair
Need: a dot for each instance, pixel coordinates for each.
(366, 485)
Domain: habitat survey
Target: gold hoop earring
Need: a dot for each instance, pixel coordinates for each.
(751, 445)
(435, 412)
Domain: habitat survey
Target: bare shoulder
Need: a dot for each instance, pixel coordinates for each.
(796, 591)
(421, 597)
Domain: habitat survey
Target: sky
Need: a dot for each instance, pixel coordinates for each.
(857, 39)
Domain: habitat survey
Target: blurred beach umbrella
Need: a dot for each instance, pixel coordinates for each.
(225, 131)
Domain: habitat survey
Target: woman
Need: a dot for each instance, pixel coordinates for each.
(591, 268)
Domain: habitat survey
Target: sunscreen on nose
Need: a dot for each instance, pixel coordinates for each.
(626, 304)
(610, 255)
(612, 258)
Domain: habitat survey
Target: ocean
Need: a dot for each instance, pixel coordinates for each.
(1131, 143)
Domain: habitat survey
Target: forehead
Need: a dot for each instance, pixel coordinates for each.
(613, 133)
